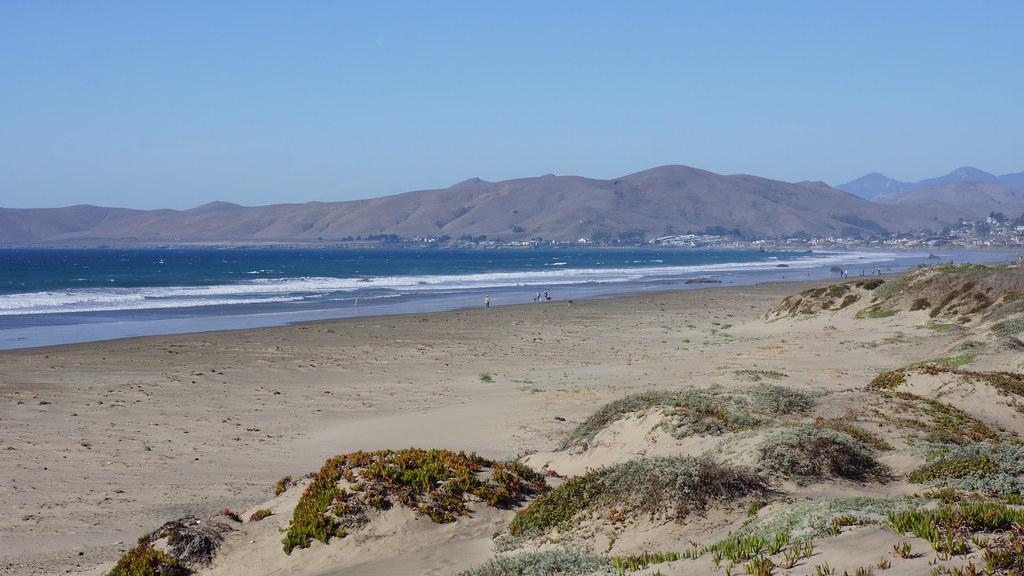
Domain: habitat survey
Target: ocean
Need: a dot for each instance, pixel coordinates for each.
(50, 296)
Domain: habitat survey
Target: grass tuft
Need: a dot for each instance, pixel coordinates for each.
(260, 514)
(282, 485)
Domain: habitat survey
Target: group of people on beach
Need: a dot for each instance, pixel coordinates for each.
(540, 297)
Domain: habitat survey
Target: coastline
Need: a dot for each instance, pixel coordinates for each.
(36, 330)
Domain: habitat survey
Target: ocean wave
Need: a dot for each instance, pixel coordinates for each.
(275, 290)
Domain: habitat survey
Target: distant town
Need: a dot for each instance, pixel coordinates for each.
(996, 231)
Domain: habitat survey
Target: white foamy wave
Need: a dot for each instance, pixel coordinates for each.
(265, 290)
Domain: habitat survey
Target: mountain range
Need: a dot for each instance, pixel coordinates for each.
(660, 201)
(967, 190)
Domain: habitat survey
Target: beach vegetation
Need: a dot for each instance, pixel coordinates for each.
(190, 544)
(937, 326)
(1009, 327)
(145, 560)
(547, 563)
(988, 468)
(824, 570)
(875, 311)
(902, 550)
(260, 514)
(282, 485)
(760, 566)
(946, 421)
(755, 506)
(697, 411)
(957, 292)
(779, 400)
(231, 514)
(665, 486)
(939, 422)
(634, 562)
(809, 453)
(486, 378)
(948, 361)
(435, 483)
(863, 436)
(790, 527)
(825, 299)
(920, 304)
(948, 528)
(758, 375)
(888, 380)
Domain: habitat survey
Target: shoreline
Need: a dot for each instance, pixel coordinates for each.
(797, 285)
(39, 330)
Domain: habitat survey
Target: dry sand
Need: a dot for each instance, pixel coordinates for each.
(102, 442)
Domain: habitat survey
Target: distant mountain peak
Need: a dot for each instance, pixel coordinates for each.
(215, 206)
(469, 182)
(971, 173)
(873, 185)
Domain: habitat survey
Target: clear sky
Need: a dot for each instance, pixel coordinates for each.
(173, 104)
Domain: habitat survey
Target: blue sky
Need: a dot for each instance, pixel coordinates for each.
(173, 104)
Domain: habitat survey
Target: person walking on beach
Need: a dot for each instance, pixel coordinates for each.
(487, 301)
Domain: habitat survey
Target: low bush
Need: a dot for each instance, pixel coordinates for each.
(695, 411)
(549, 563)
(939, 422)
(992, 469)
(809, 453)
(436, 483)
(875, 311)
(948, 361)
(888, 380)
(260, 514)
(190, 544)
(779, 400)
(145, 560)
(667, 486)
(759, 375)
(1005, 553)
(1009, 327)
(618, 409)
(856, 432)
(803, 520)
(282, 485)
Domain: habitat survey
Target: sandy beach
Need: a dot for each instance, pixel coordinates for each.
(105, 441)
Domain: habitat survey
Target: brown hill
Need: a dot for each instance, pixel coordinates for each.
(974, 199)
(664, 200)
